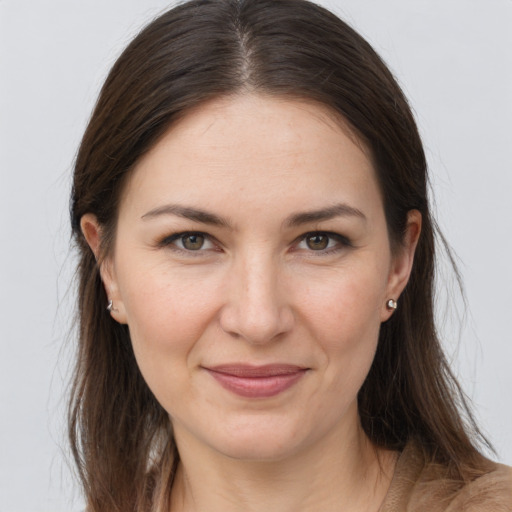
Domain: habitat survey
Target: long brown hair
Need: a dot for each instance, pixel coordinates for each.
(121, 437)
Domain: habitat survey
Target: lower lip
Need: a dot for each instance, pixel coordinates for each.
(257, 387)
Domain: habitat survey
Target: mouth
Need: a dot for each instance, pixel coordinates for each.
(257, 381)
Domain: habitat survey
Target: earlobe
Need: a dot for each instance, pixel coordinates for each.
(91, 230)
(402, 262)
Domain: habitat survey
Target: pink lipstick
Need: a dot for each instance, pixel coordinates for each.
(256, 381)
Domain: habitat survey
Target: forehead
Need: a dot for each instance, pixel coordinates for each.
(252, 150)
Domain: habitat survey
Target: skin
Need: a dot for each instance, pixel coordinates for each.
(258, 292)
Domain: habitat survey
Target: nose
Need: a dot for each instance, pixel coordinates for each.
(256, 307)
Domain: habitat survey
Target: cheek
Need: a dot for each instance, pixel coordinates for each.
(343, 314)
(348, 300)
(171, 303)
(166, 316)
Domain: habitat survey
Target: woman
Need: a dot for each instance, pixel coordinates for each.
(256, 273)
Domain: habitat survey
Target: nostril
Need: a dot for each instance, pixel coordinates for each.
(256, 308)
(257, 326)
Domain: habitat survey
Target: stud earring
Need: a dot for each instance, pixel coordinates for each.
(110, 306)
(391, 304)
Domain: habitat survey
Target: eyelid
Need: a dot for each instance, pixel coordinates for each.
(169, 242)
(342, 242)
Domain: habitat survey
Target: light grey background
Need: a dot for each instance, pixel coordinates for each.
(453, 58)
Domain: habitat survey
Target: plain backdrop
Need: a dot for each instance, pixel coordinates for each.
(453, 59)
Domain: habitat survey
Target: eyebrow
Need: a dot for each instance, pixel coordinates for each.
(187, 212)
(297, 219)
(338, 210)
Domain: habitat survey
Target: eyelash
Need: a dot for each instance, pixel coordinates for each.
(169, 242)
(341, 241)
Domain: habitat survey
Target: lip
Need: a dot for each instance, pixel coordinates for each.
(251, 381)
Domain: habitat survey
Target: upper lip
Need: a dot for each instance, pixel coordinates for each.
(255, 371)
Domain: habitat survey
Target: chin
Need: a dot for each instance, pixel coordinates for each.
(259, 440)
(257, 448)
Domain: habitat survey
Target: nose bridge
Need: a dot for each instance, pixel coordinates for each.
(256, 307)
(258, 277)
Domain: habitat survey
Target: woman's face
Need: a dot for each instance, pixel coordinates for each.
(252, 265)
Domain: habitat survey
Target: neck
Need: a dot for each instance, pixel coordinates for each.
(340, 472)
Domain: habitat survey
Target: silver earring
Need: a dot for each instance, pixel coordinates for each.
(391, 304)
(110, 306)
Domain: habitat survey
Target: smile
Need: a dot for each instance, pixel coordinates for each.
(257, 381)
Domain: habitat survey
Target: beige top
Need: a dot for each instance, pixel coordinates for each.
(417, 487)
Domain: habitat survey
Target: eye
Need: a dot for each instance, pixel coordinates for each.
(319, 241)
(189, 242)
(192, 242)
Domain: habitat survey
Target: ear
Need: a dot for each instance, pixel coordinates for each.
(91, 230)
(401, 263)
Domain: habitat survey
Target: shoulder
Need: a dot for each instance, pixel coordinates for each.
(421, 487)
(489, 492)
